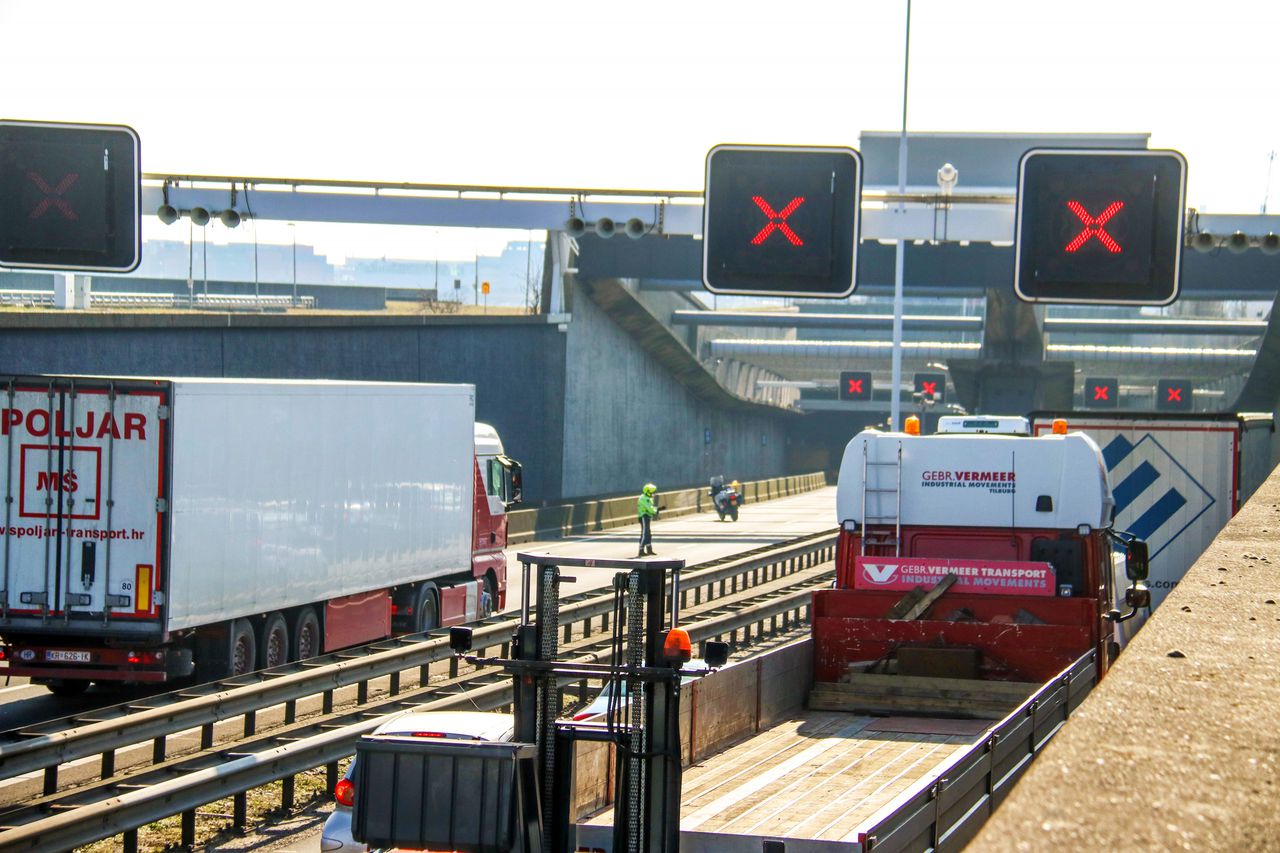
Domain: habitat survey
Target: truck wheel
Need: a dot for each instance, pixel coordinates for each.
(306, 635)
(426, 609)
(65, 687)
(243, 650)
(275, 642)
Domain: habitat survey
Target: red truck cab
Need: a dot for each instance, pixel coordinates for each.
(1011, 534)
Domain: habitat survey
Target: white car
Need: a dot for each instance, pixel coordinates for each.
(459, 725)
(600, 704)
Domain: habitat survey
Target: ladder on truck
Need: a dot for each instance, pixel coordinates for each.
(881, 521)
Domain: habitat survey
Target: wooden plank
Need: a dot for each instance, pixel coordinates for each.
(917, 609)
(846, 701)
(895, 705)
(904, 604)
(856, 681)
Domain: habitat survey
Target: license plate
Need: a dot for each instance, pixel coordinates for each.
(66, 657)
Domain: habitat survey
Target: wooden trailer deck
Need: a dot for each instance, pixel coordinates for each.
(816, 775)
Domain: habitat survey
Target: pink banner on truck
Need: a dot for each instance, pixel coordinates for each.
(992, 577)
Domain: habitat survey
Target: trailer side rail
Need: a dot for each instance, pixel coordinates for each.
(946, 812)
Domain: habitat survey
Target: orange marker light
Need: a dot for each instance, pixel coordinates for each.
(1059, 426)
(912, 425)
(677, 646)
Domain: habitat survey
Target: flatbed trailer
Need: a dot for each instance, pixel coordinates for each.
(818, 776)
(779, 772)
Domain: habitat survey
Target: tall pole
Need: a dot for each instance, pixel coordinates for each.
(293, 231)
(899, 253)
(204, 257)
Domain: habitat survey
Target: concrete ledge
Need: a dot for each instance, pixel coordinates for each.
(553, 522)
(1179, 746)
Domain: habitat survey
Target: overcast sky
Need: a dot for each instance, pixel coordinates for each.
(632, 95)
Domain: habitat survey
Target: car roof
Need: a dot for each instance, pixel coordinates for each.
(483, 725)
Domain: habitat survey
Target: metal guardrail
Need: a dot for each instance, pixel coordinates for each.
(124, 814)
(26, 297)
(47, 751)
(114, 299)
(947, 814)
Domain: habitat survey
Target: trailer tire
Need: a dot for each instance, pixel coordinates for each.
(426, 609)
(242, 650)
(66, 687)
(306, 635)
(274, 649)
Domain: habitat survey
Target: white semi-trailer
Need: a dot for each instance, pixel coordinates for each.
(1178, 478)
(156, 527)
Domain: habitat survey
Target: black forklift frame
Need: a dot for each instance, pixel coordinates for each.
(647, 795)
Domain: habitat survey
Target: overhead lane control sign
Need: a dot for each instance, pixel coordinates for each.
(781, 220)
(70, 197)
(1099, 226)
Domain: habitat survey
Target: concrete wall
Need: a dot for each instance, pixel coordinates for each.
(587, 410)
(516, 365)
(629, 421)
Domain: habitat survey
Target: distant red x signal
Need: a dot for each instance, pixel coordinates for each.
(929, 388)
(777, 221)
(1175, 395)
(855, 386)
(53, 195)
(1101, 392)
(1093, 226)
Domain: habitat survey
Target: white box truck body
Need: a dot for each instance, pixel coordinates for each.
(1177, 479)
(149, 521)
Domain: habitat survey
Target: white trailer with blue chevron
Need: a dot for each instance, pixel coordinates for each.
(1177, 479)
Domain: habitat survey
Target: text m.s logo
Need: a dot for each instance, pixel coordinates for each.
(52, 481)
(880, 574)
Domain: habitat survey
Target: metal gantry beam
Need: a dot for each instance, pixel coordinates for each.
(982, 217)
(850, 322)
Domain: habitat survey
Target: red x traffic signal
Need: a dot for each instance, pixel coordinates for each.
(1173, 395)
(1099, 226)
(855, 385)
(934, 385)
(781, 221)
(70, 196)
(1101, 393)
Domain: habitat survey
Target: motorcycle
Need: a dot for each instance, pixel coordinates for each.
(726, 498)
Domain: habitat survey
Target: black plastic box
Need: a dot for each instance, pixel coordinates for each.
(473, 796)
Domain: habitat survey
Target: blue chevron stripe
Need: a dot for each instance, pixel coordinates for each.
(1116, 450)
(1134, 485)
(1160, 512)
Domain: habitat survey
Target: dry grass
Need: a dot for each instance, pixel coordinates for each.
(214, 823)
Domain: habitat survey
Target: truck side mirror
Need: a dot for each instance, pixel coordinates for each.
(1137, 562)
(513, 483)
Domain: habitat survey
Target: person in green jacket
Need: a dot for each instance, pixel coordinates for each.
(647, 510)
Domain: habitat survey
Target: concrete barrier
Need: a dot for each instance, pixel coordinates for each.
(1179, 746)
(554, 522)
